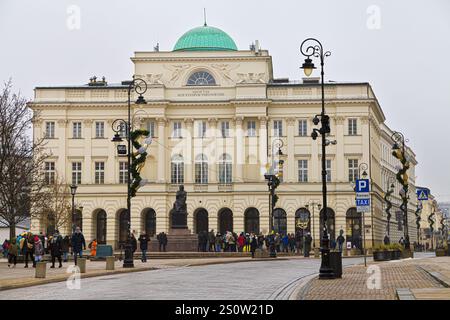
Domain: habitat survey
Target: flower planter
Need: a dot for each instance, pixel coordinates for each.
(381, 255)
(440, 252)
(396, 254)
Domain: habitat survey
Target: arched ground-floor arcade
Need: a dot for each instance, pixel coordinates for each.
(105, 218)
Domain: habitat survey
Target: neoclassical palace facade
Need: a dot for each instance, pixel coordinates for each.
(216, 115)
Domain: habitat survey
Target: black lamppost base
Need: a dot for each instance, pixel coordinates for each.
(325, 272)
(128, 261)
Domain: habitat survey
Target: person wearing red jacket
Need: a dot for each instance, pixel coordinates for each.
(241, 242)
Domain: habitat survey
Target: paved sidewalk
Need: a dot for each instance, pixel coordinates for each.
(414, 275)
(18, 277)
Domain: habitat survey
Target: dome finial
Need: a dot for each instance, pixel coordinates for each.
(204, 16)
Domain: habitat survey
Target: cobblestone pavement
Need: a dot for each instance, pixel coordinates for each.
(250, 280)
(394, 274)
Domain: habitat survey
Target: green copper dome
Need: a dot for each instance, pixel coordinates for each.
(205, 38)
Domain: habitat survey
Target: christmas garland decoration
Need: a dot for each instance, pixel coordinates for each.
(138, 158)
(417, 213)
(431, 222)
(388, 204)
(402, 178)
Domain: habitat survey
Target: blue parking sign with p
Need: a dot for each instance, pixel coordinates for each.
(362, 185)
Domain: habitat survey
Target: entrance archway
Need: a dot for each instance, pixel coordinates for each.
(101, 226)
(225, 220)
(251, 220)
(353, 228)
(124, 219)
(279, 221)
(302, 221)
(200, 220)
(330, 223)
(149, 218)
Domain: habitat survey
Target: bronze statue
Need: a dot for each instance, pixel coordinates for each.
(179, 211)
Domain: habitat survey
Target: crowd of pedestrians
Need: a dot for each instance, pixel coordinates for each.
(32, 248)
(249, 242)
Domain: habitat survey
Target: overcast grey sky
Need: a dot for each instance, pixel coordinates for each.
(401, 47)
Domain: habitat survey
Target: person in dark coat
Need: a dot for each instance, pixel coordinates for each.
(133, 243)
(65, 247)
(307, 246)
(162, 239)
(253, 244)
(212, 240)
(56, 248)
(386, 239)
(143, 245)
(28, 249)
(340, 240)
(78, 244)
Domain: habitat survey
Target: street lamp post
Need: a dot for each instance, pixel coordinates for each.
(315, 48)
(73, 191)
(273, 178)
(118, 126)
(400, 153)
(313, 205)
(363, 167)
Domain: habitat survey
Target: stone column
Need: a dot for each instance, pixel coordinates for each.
(62, 160)
(290, 221)
(112, 163)
(240, 151)
(188, 150)
(263, 145)
(87, 176)
(161, 150)
(290, 148)
(112, 232)
(340, 158)
(212, 151)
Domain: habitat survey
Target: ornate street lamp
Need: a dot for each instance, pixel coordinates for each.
(313, 47)
(73, 191)
(399, 152)
(313, 205)
(120, 126)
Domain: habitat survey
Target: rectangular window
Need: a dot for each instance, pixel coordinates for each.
(76, 132)
(99, 172)
(50, 130)
(176, 130)
(99, 129)
(328, 169)
(201, 172)
(201, 129)
(151, 128)
(302, 128)
(352, 170)
(225, 129)
(49, 172)
(302, 170)
(277, 128)
(177, 172)
(76, 173)
(352, 127)
(123, 172)
(251, 128)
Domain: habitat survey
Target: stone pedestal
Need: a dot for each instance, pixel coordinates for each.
(110, 262)
(41, 270)
(81, 263)
(178, 240)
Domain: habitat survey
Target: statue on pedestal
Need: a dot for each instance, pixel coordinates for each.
(179, 211)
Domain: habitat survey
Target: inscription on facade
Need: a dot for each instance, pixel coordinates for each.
(201, 93)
